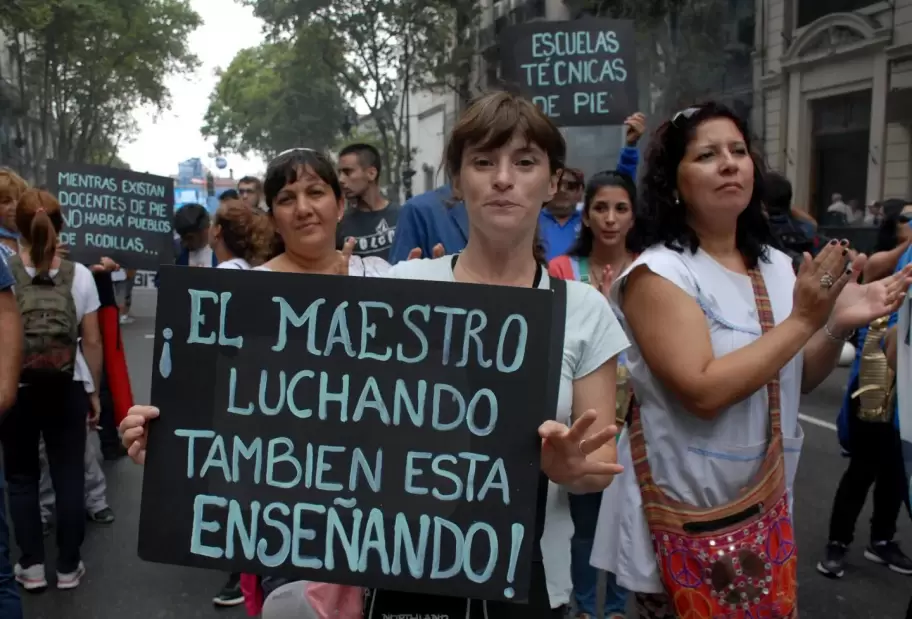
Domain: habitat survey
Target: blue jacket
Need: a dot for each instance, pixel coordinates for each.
(426, 220)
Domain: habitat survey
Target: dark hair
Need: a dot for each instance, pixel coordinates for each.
(229, 194)
(191, 218)
(491, 121)
(283, 170)
(247, 232)
(663, 220)
(368, 156)
(39, 220)
(777, 194)
(251, 180)
(887, 238)
(609, 178)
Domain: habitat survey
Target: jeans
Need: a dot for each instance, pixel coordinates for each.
(876, 459)
(96, 486)
(584, 509)
(58, 413)
(10, 604)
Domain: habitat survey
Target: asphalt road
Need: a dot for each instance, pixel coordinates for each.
(119, 585)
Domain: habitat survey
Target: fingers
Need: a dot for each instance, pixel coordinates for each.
(137, 453)
(596, 467)
(806, 266)
(415, 254)
(552, 430)
(581, 426)
(438, 251)
(596, 441)
(834, 261)
(348, 248)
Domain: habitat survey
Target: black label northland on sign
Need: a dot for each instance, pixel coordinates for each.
(580, 73)
(120, 214)
(374, 432)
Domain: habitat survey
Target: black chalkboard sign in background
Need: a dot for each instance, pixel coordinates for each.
(581, 73)
(333, 514)
(117, 213)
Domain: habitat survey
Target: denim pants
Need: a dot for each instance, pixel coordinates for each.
(584, 509)
(59, 414)
(10, 604)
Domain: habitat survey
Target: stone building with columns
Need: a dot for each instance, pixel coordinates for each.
(833, 97)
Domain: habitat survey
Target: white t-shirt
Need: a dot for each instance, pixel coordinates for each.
(200, 258)
(235, 263)
(697, 461)
(85, 297)
(592, 337)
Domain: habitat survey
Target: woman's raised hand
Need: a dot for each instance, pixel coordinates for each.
(821, 280)
(858, 304)
(565, 451)
(133, 431)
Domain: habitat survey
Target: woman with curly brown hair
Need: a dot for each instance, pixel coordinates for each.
(240, 237)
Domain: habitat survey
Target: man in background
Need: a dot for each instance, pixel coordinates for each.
(191, 223)
(250, 190)
(370, 218)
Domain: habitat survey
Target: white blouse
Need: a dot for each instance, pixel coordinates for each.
(697, 461)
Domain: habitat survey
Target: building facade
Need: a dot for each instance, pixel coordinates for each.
(833, 84)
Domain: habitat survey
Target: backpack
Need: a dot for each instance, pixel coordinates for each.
(49, 321)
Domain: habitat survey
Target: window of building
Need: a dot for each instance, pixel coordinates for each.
(812, 10)
(841, 128)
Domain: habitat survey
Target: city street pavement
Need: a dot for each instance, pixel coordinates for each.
(119, 585)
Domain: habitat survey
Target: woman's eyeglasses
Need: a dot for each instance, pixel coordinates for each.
(904, 218)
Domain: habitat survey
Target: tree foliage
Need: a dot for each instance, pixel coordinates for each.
(277, 96)
(81, 67)
(389, 47)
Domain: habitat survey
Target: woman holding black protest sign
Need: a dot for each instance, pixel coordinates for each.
(305, 205)
(505, 159)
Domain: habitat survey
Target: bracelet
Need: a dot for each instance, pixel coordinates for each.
(848, 336)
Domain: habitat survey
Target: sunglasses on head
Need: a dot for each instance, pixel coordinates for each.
(685, 114)
(299, 149)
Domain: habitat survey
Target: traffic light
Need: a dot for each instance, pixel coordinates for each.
(210, 184)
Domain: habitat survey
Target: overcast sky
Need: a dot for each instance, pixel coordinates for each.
(174, 136)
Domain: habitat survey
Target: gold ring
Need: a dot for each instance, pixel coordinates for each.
(827, 281)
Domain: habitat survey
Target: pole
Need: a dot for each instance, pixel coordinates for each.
(408, 173)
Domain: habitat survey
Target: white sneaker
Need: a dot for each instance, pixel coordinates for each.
(71, 579)
(31, 578)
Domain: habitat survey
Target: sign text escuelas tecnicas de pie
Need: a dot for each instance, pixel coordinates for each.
(580, 73)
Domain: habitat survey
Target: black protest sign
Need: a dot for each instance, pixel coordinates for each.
(580, 73)
(117, 213)
(365, 431)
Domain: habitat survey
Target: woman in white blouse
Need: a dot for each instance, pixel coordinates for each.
(699, 364)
